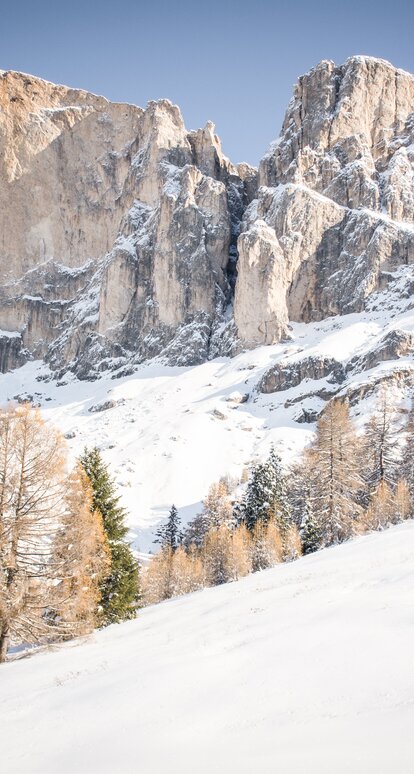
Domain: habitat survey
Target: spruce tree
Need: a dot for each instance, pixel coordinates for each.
(169, 534)
(312, 531)
(266, 496)
(196, 531)
(120, 588)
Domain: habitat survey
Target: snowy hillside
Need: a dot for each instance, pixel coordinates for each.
(168, 433)
(303, 668)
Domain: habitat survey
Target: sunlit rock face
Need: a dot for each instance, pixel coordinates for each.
(125, 237)
(334, 214)
(117, 227)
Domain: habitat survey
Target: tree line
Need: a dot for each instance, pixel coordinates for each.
(344, 484)
(65, 567)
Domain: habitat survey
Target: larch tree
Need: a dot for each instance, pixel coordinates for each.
(407, 466)
(39, 505)
(157, 584)
(379, 513)
(217, 507)
(267, 545)
(292, 544)
(380, 450)
(187, 572)
(81, 557)
(240, 558)
(333, 464)
(403, 502)
(120, 588)
(217, 510)
(171, 573)
(216, 555)
(32, 502)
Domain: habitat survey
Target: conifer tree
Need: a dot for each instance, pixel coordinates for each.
(169, 534)
(217, 511)
(196, 531)
(120, 588)
(266, 495)
(240, 559)
(312, 531)
(170, 574)
(380, 447)
(267, 546)
(52, 548)
(379, 513)
(217, 507)
(216, 556)
(332, 462)
(187, 572)
(292, 544)
(81, 559)
(157, 578)
(403, 503)
(407, 467)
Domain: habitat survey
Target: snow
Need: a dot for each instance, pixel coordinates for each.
(10, 334)
(303, 668)
(164, 438)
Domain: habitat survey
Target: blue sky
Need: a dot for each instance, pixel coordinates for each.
(232, 62)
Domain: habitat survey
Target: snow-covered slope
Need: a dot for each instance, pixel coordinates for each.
(303, 668)
(171, 432)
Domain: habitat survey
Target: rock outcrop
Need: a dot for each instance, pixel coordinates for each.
(118, 228)
(283, 376)
(334, 215)
(124, 236)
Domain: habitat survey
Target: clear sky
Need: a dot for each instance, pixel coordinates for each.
(234, 62)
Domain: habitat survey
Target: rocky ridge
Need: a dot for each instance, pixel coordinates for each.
(126, 237)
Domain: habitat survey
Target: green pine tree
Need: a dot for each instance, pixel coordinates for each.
(312, 532)
(266, 495)
(169, 535)
(120, 589)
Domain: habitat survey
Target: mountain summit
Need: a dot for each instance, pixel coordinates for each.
(125, 236)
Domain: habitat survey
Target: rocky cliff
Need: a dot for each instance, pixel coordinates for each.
(334, 216)
(124, 236)
(118, 229)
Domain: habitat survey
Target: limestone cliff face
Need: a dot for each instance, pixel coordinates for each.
(117, 228)
(124, 236)
(334, 214)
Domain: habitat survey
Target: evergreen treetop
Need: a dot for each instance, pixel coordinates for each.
(266, 495)
(120, 588)
(104, 498)
(169, 535)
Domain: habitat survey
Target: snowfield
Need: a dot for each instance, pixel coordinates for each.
(169, 433)
(304, 668)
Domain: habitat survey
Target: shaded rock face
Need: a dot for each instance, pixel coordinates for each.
(335, 207)
(393, 345)
(323, 378)
(284, 376)
(10, 352)
(124, 236)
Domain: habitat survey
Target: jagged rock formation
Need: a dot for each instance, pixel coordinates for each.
(334, 214)
(118, 228)
(283, 376)
(124, 236)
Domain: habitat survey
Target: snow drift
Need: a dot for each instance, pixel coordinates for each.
(305, 667)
